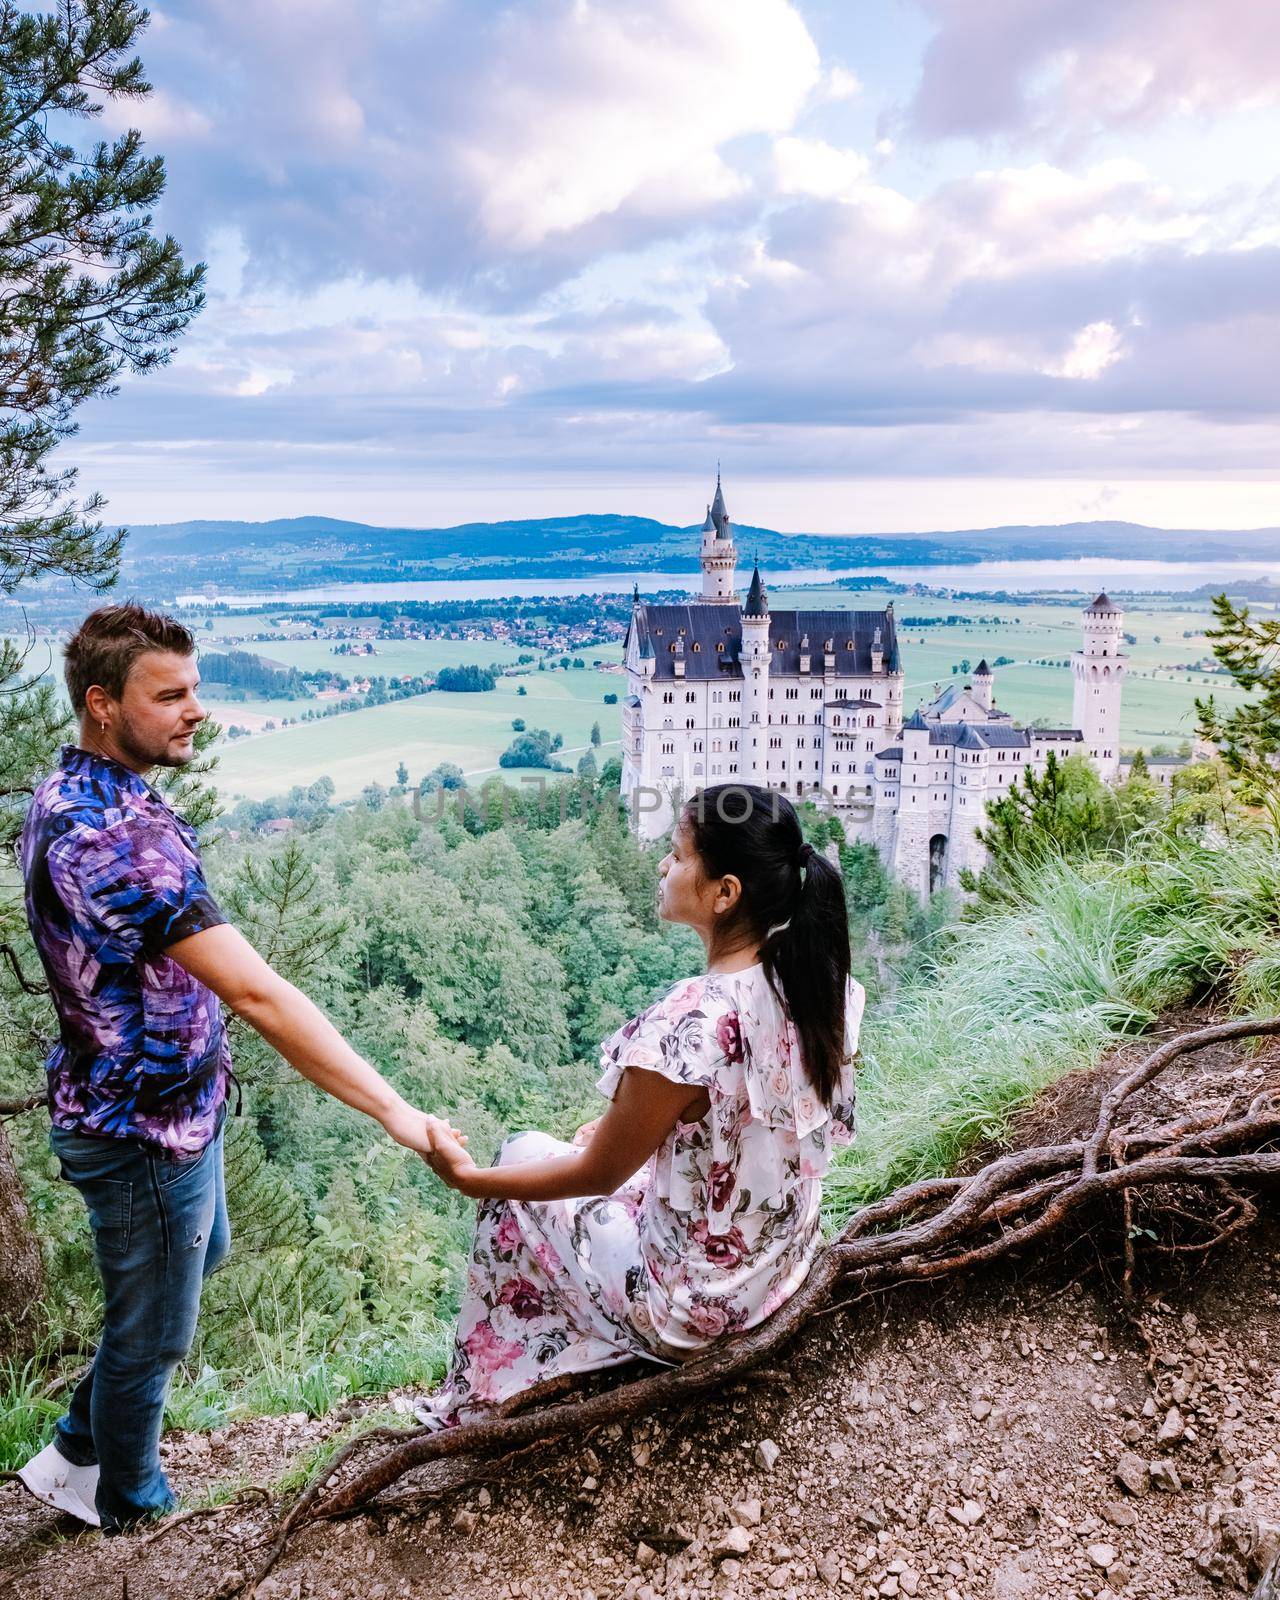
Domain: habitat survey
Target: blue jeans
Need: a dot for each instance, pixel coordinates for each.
(159, 1228)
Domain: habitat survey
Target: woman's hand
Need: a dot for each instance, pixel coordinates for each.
(585, 1133)
(449, 1160)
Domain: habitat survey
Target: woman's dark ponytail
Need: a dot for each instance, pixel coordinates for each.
(792, 903)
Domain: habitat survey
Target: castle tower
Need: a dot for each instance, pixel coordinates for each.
(755, 683)
(1098, 671)
(718, 557)
(984, 683)
(911, 839)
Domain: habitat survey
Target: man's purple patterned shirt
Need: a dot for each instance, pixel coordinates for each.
(113, 878)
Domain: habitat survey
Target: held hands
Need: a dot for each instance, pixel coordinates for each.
(418, 1131)
(449, 1159)
(585, 1133)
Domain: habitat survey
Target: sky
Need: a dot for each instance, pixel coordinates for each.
(896, 264)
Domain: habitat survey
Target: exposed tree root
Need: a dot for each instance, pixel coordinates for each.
(927, 1230)
(28, 1102)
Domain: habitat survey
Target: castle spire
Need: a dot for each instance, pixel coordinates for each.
(719, 515)
(757, 600)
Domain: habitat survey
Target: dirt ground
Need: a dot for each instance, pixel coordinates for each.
(1018, 1437)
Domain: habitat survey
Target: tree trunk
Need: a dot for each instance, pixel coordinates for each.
(22, 1282)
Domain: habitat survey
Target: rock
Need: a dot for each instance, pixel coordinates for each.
(967, 1514)
(767, 1454)
(1172, 1428)
(464, 1521)
(646, 1555)
(1132, 1473)
(1013, 1582)
(746, 1513)
(980, 1410)
(1120, 1515)
(1164, 1475)
(828, 1569)
(735, 1541)
(909, 1581)
(890, 1585)
(731, 1568)
(1103, 1556)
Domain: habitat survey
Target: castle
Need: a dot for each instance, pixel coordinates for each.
(809, 703)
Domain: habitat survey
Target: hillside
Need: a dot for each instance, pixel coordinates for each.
(236, 553)
(1006, 1437)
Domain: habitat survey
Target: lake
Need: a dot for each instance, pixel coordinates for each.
(1017, 577)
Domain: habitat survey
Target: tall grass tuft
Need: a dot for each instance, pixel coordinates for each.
(1093, 954)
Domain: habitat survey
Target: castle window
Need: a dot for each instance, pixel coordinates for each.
(696, 648)
(720, 647)
(672, 647)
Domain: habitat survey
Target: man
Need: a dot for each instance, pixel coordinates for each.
(138, 956)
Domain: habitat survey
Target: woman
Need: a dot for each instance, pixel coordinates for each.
(733, 1088)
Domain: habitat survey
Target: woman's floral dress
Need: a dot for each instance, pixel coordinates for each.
(715, 1233)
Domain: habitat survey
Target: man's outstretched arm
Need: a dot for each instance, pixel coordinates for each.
(224, 961)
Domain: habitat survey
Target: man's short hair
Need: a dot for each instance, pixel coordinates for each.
(105, 646)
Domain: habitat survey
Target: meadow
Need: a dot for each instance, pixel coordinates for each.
(472, 730)
(362, 747)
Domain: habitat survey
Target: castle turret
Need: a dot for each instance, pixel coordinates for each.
(718, 557)
(1098, 671)
(877, 652)
(755, 682)
(984, 683)
(911, 840)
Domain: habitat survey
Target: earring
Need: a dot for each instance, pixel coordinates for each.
(103, 726)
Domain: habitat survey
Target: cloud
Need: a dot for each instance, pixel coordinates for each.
(491, 148)
(812, 166)
(620, 237)
(1063, 68)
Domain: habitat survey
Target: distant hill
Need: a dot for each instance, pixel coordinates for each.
(327, 549)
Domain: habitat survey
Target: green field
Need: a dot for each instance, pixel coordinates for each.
(471, 730)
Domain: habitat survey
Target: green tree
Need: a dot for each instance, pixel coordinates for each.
(1249, 734)
(595, 734)
(402, 775)
(87, 291)
(1066, 811)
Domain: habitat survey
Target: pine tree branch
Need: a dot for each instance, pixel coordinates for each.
(27, 985)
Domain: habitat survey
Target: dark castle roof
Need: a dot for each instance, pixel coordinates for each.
(978, 736)
(757, 603)
(718, 513)
(1102, 603)
(705, 626)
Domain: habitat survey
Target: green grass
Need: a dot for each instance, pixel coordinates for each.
(27, 1416)
(1019, 998)
(1155, 709)
(470, 730)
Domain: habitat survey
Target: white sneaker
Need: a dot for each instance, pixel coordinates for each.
(57, 1482)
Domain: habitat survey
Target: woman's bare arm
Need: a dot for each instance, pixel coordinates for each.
(645, 1109)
